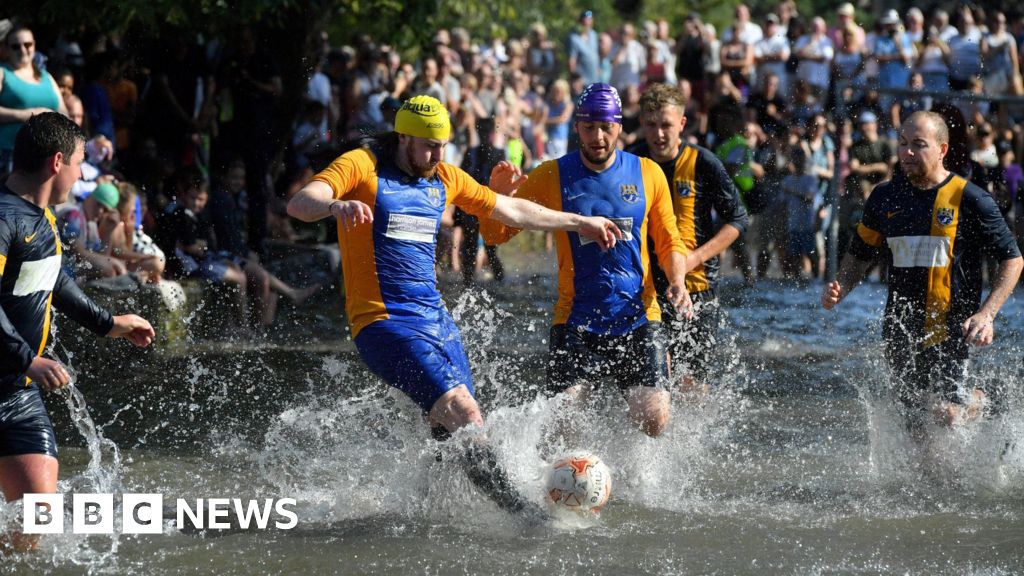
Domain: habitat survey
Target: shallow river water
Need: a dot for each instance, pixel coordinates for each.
(795, 464)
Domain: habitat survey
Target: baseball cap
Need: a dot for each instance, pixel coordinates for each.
(107, 195)
(890, 17)
(867, 117)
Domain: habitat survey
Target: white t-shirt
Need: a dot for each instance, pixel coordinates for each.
(777, 45)
(811, 71)
(751, 34)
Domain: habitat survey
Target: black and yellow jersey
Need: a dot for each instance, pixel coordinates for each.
(31, 278)
(698, 184)
(934, 241)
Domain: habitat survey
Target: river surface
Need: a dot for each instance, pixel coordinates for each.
(795, 463)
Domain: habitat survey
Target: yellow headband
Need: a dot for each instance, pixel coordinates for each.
(423, 117)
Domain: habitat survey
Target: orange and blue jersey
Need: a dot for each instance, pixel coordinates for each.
(389, 265)
(609, 293)
(934, 241)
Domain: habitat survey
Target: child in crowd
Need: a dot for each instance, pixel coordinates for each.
(801, 191)
(186, 241)
(87, 229)
(558, 119)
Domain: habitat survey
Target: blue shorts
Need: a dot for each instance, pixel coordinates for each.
(25, 427)
(423, 361)
(215, 266)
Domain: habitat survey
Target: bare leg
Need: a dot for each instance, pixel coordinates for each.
(234, 275)
(951, 414)
(20, 475)
(456, 409)
(259, 287)
(650, 408)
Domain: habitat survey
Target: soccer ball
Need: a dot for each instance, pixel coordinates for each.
(580, 482)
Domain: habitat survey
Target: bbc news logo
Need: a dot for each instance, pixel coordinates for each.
(144, 514)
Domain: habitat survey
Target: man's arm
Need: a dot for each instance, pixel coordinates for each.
(726, 202)
(664, 231)
(315, 201)
(71, 301)
(510, 215)
(1001, 245)
(851, 273)
(520, 213)
(978, 329)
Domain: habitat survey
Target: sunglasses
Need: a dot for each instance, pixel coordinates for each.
(27, 45)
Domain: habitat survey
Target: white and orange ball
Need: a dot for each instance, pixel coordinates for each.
(580, 482)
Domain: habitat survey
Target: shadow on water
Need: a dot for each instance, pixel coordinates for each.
(794, 464)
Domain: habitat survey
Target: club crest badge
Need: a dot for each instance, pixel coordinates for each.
(683, 189)
(944, 216)
(630, 193)
(434, 196)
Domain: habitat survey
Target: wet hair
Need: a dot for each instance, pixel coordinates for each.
(657, 96)
(43, 136)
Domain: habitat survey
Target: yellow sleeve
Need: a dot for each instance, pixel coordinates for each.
(542, 186)
(347, 171)
(661, 217)
(466, 193)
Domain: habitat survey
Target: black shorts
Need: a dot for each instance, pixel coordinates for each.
(916, 373)
(25, 427)
(691, 343)
(581, 357)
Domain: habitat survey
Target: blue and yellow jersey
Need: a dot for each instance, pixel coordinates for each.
(31, 279)
(934, 241)
(699, 184)
(604, 292)
(389, 266)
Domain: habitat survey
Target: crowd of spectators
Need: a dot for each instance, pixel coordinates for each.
(188, 167)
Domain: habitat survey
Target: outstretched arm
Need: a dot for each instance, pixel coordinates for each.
(519, 213)
(315, 201)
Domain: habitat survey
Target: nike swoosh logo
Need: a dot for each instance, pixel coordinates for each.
(891, 214)
(29, 238)
(385, 191)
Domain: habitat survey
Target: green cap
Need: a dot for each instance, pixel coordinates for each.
(107, 195)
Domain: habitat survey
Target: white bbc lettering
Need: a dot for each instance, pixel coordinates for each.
(219, 508)
(142, 514)
(253, 511)
(92, 513)
(42, 513)
(293, 518)
(196, 516)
